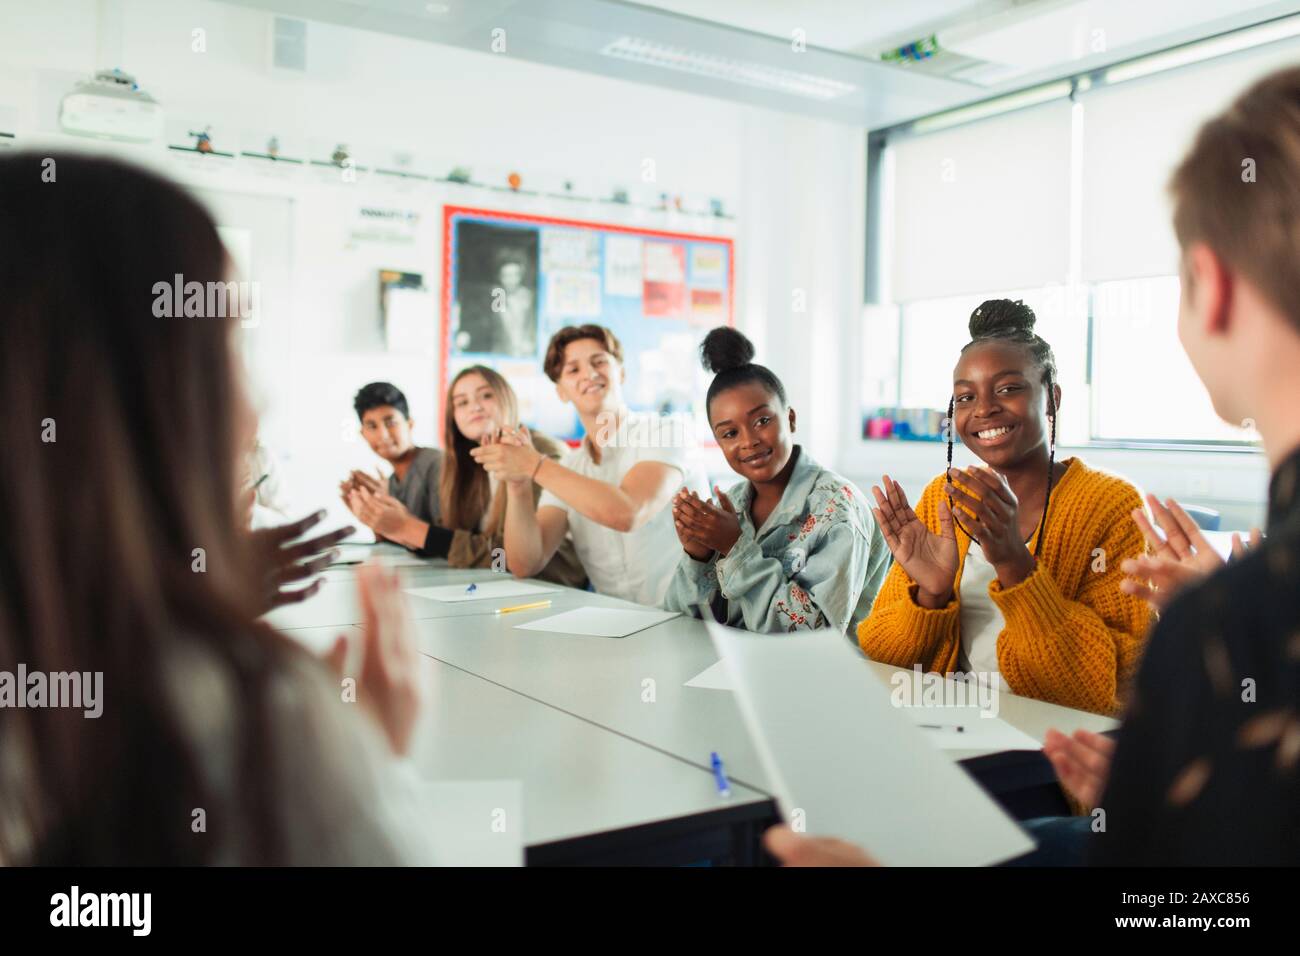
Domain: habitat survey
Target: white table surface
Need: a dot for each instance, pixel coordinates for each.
(612, 712)
(577, 778)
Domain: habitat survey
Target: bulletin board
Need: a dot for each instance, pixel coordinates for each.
(509, 281)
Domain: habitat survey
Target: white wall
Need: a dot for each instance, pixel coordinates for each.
(794, 185)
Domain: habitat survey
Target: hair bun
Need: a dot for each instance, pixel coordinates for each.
(725, 348)
(997, 317)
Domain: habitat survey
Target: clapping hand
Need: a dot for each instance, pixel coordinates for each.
(929, 559)
(355, 481)
(715, 527)
(692, 545)
(388, 685)
(379, 511)
(1081, 762)
(1181, 557)
(994, 515)
(510, 455)
(278, 559)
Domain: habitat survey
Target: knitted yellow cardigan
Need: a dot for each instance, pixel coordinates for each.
(1072, 636)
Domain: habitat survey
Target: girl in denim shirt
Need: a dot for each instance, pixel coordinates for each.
(792, 546)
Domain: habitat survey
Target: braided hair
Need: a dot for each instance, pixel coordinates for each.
(1002, 320)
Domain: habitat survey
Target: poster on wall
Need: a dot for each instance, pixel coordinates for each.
(510, 281)
(495, 289)
(664, 274)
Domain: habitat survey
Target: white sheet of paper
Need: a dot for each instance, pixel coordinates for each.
(977, 731)
(598, 622)
(483, 590)
(837, 751)
(713, 677)
(478, 822)
(351, 555)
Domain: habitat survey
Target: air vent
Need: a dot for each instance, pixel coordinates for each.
(289, 51)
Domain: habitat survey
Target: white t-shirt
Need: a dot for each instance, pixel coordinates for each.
(638, 565)
(981, 620)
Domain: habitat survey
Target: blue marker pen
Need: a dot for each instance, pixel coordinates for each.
(719, 775)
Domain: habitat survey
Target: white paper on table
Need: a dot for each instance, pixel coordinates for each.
(978, 732)
(390, 556)
(475, 822)
(483, 590)
(599, 621)
(713, 677)
(837, 751)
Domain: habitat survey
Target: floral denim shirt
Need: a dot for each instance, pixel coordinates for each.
(817, 561)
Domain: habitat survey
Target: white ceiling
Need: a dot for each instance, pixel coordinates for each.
(850, 26)
(844, 40)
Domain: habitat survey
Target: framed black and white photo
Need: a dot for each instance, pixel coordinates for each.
(495, 301)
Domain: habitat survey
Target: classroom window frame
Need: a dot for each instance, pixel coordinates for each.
(881, 201)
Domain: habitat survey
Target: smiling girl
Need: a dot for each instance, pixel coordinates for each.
(792, 546)
(480, 410)
(1035, 605)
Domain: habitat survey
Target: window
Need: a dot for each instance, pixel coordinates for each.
(1071, 192)
(1144, 387)
(932, 333)
(1124, 377)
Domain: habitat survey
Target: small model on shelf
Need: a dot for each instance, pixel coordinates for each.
(202, 140)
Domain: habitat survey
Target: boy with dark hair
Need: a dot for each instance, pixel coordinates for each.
(404, 511)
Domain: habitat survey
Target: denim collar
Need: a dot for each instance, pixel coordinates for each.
(793, 500)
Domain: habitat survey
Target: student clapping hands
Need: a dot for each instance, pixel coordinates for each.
(480, 426)
(789, 547)
(387, 517)
(993, 513)
(1010, 570)
(702, 526)
(508, 454)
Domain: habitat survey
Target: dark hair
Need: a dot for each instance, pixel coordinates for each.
(379, 394)
(102, 516)
(1002, 320)
(554, 361)
(729, 355)
(1008, 321)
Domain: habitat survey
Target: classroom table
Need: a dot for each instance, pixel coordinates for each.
(604, 680)
(589, 796)
(630, 688)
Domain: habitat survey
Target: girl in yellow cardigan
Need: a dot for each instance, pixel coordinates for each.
(1035, 607)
